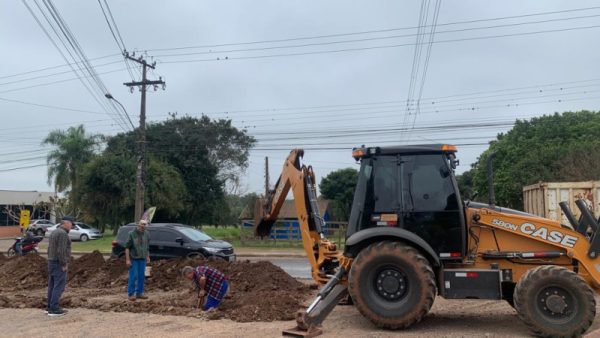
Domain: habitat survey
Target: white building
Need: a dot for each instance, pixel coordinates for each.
(13, 200)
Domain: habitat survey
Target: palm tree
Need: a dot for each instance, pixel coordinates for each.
(73, 149)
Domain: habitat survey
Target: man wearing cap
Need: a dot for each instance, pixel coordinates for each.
(59, 253)
(137, 254)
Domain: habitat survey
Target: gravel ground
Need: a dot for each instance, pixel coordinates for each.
(447, 319)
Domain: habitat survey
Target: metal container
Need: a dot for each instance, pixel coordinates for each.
(542, 198)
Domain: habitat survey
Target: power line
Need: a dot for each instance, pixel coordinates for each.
(373, 31)
(227, 58)
(51, 107)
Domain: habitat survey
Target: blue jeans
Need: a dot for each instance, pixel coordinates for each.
(57, 279)
(136, 274)
(213, 302)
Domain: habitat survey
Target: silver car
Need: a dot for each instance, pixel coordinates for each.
(79, 232)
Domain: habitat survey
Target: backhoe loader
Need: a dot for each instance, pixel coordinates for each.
(411, 237)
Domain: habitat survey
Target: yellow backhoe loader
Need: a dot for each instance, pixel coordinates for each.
(411, 237)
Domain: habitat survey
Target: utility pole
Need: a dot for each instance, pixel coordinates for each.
(141, 162)
(266, 176)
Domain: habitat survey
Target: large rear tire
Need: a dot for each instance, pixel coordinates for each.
(392, 284)
(554, 302)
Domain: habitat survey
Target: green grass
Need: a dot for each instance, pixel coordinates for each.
(103, 244)
(224, 233)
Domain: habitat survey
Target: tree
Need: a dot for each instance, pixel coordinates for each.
(207, 154)
(73, 149)
(339, 187)
(559, 147)
(108, 188)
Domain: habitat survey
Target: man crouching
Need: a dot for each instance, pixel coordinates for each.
(209, 282)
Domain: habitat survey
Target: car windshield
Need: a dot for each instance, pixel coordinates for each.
(83, 226)
(194, 234)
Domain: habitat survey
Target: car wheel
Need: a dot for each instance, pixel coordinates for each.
(39, 232)
(195, 255)
(84, 238)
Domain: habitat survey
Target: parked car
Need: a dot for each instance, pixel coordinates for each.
(79, 232)
(39, 226)
(171, 240)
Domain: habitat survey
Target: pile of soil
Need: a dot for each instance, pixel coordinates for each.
(259, 291)
(23, 272)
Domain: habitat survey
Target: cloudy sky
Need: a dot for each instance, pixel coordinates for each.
(322, 75)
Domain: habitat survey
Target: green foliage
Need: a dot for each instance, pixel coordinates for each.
(559, 147)
(108, 194)
(73, 148)
(207, 154)
(339, 187)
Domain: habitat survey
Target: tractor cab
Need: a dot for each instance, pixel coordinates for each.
(411, 188)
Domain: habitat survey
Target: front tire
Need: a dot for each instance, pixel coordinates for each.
(84, 238)
(11, 252)
(554, 302)
(392, 284)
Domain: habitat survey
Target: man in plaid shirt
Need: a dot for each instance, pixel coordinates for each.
(210, 282)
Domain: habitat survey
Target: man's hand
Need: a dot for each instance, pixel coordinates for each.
(65, 268)
(128, 262)
(201, 293)
(148, 260)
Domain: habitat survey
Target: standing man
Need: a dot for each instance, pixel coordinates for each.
(209, 282)
(59, 254)
(137, 255)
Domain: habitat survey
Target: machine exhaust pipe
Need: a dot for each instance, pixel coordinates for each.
(490, 180)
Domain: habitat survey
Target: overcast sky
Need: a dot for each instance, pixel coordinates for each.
(342, 79)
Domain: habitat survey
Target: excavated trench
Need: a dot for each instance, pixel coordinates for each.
(260, 291)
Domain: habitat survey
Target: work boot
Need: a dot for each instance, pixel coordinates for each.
(142, 296)
(132, 298)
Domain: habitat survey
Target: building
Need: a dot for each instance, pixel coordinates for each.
(12, 201)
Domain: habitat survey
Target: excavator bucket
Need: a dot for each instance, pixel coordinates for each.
(262, 227)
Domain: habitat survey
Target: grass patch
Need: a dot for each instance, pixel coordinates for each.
(103, 244)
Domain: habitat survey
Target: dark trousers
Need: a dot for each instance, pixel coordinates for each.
(57, 279)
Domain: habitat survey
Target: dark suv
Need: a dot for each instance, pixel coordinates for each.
(171, 240)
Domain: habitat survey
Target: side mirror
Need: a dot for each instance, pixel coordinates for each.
(179, 240)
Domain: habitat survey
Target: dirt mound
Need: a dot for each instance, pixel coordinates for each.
(258, 291)
(87, 268)
(21, 272)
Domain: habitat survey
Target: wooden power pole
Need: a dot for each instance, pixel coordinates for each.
(266, 176)
(141, 160)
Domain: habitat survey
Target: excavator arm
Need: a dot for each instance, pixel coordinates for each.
(322, 254)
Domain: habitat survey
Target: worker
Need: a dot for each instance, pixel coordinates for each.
(209, 282)
(137, 255)
(59, 253)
